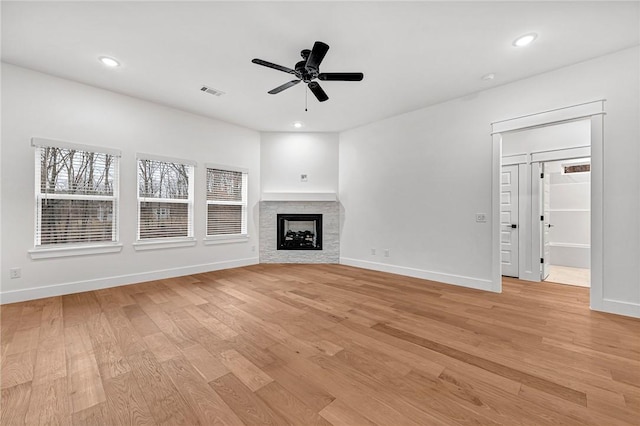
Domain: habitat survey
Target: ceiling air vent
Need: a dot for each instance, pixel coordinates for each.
(212, 91)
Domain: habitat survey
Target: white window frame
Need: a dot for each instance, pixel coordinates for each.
(165, 242)
(243, 236)
(45, 251)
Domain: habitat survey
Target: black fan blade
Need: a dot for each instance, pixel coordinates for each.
(317, 55)
(340, 76)
(284, 86)
(317, 90)
(272, 65)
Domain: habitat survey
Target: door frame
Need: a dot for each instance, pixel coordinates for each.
(594, 111)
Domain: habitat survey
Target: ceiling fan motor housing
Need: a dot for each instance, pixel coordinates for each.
(305, 74)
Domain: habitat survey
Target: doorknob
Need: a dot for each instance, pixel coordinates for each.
(549, 226)
(513, 225)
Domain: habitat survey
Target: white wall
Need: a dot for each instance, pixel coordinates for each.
(414, 182)
(35, 104)
(285, 156)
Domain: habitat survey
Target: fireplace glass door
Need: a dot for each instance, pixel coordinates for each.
(299, 232)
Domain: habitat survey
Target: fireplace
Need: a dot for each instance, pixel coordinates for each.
(299, 231)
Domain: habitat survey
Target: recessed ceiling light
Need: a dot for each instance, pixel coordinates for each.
(297, 124)
(525, 40)
(489, 76)
(110, 62)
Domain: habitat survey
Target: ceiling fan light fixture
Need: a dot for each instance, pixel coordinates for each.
(525, 40)
(109, 62)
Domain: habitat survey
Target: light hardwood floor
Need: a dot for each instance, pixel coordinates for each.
(571, 276)
(318, 345)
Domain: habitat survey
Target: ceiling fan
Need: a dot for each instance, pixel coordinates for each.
(308, 70)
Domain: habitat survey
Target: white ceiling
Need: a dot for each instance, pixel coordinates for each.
(413, 54)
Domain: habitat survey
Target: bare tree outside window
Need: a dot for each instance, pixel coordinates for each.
(164, 199)
(76, 196)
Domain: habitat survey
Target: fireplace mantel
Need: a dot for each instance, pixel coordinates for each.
(299, 196)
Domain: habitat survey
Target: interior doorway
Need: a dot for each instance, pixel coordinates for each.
(565, 199)
(592, 114)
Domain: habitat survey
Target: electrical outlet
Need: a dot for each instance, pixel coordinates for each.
(253, 248)
(373, 251)
(387, 252)
(15, 273)
(304, 177)
(481, 217)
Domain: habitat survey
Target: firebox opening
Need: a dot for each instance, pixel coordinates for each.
(299, 232)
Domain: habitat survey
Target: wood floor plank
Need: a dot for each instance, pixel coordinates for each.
(126, 335)
(209, 366)
(50, 404)
(247, 406)
(318, 344)
(560, 391)
(167, 406)
(340, 414)
(96, 415)
(252, 376)
(14, 404)
(79, 306)
(125, 401)
(85, 388)
(205, 402)
(289, 406)
(110, 359)
(313, 396)
(50, 361)
(24, 341)
(212, 324)
(140, 320)
(17, 368)
(161, 347)
(31, 315)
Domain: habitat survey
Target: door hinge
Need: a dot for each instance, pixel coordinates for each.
(542, 260)
(542, 218)
(541, 175)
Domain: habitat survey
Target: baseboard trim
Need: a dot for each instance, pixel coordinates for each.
(617, 307)
(115, 281)
(459, 280)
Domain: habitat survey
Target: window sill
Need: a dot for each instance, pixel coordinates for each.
(164, 244)
(226, 239)
(51, 252)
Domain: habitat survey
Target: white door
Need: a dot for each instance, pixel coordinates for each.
(545, 254)
(509, 221)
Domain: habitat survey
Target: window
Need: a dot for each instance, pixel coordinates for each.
(165, 198)
(576, 168)
(226, 202)
(76, 194)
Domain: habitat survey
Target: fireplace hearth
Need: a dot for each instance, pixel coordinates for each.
(299, 231)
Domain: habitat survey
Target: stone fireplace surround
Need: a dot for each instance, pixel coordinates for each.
(330, 211)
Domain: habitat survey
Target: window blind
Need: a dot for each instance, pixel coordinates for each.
(226, 202)
(76, 196)
(165, 199)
